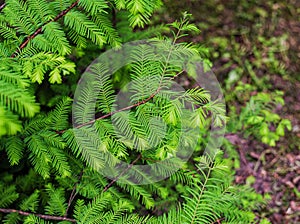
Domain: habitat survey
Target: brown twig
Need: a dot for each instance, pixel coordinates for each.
(262, 158)
(120, 110)
(48, 217)
(124, 171)
(112, 113)
(218, 221)
(2, 6)
(39, 30)
(73, 193)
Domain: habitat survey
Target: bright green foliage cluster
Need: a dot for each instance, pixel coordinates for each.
(46, 54)
(258, 118)
(50, 170)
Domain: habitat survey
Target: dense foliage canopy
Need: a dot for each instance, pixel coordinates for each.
(57, 139)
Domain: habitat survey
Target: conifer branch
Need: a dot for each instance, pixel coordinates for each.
(39, 30)
(48, 217)
(124, 108)
(114, 112)
(124, 171)
(117, 111)
(120, 110)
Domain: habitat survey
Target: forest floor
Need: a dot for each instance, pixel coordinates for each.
(234, 28)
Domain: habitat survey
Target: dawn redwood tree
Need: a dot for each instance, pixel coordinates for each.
(47, 176)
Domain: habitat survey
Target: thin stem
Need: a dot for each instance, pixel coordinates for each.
(201, 193)
(218, 221)
(73, 193)
(48, 217)
(124, 171)
(39, 30)
(2, 6)
(120, 110)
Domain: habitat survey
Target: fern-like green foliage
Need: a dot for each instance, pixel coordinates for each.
(51, 172)
(210, 197)
(40, 35)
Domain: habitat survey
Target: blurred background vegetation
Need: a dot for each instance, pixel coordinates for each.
(255, 50)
